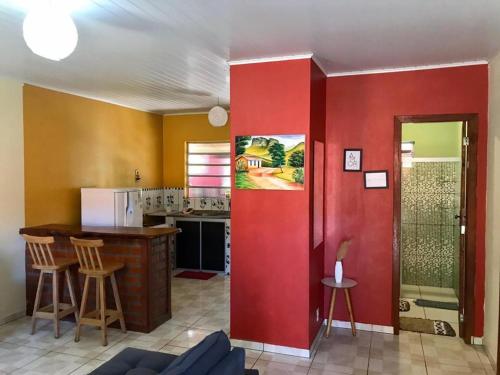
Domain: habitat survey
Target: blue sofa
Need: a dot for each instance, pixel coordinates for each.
(212, 356)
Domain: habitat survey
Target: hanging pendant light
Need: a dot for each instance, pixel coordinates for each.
(217, 116)
(50, 32)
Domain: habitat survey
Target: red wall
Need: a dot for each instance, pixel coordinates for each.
(270, 228)
(316, 255)
(271, 236)
(360, 113)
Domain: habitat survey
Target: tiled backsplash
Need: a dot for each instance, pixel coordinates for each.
(172, 200)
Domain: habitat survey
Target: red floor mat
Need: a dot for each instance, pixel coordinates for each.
(198, 275)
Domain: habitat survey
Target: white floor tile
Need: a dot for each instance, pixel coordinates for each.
(449, 316)
(53, 364)
(201, 307)
(415, 311)
(14, 357)
(90, 345)
(438, 294)
(189, 338)
(410, 291)
(88, 367)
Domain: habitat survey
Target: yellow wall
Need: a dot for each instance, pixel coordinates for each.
(434, 140)
(179, 129)
(73, 142)
(492, 278)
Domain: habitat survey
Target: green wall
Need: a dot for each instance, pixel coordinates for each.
(442, 139)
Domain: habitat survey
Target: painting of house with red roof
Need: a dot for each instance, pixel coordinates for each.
(270, 162)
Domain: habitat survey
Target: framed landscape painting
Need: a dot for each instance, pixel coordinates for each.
(271, 162)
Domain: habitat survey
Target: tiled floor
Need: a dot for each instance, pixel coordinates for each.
(412, 292)
(199, 308)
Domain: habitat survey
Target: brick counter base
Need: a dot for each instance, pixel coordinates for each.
(144, 284)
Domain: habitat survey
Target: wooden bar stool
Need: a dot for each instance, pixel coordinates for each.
(92, 266)
(43, 260)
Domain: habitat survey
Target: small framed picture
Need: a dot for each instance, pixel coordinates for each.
(353, 160)
(376, 179)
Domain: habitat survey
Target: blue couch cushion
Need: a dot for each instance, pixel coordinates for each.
(141, 371)
(201, 358)
(231, 364)
(133, 361)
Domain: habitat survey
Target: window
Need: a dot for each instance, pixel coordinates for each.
(208, 169)
(407, 153)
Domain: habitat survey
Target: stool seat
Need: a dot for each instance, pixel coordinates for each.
(60, 264)
(107, 269)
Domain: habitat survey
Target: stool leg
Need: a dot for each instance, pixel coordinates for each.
(97, 308)
(118, 302)
(349, 307)
(72, 294)
(82, 307)
(104, 330)
(39, 290)
(55, 301)
(330, 313)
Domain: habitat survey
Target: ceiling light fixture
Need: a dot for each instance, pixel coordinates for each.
(50, 32)
(217, 116)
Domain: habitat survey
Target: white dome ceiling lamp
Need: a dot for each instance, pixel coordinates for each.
(50, 32)
(217, 116)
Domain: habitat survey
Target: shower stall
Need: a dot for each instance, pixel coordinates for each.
(430, 238)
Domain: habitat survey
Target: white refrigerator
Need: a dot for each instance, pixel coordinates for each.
(112, 207)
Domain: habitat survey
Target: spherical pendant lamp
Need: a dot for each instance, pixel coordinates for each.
(50, 33)
(217, 116)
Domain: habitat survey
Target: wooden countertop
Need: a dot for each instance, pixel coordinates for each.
(78, 230)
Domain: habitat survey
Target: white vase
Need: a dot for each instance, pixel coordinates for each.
(339, 272)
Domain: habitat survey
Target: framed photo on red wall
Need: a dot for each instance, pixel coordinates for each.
(353, 160)
(376, 179)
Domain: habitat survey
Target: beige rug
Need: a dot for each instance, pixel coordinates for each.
(404, 306)
(433, 327)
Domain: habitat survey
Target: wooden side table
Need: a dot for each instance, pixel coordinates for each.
(346, 284)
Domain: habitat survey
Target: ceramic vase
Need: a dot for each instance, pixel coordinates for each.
(339, 272)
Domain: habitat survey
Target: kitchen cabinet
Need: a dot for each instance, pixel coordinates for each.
(212, 246)
(187, 245)
(201, 244)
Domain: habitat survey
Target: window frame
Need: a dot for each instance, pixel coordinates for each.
(187, 186)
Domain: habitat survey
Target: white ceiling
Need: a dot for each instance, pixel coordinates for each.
(167, 55)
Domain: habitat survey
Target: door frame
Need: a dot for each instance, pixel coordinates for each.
(471, 214)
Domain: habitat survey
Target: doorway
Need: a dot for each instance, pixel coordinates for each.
(434, 224)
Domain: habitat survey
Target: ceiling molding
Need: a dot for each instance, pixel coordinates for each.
(193, 111)
(320, 66)
(408, 69)
(180, 113)
(270, 59)
(95, 98)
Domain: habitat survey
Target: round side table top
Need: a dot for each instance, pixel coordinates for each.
(345, 284)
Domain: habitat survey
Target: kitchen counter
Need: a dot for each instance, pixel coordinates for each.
(77, 230)
(196, 214)
(144, 283)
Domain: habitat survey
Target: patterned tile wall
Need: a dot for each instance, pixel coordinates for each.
(430, 199)
(173, 200)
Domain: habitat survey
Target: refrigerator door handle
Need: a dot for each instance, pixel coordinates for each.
(120, 209)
